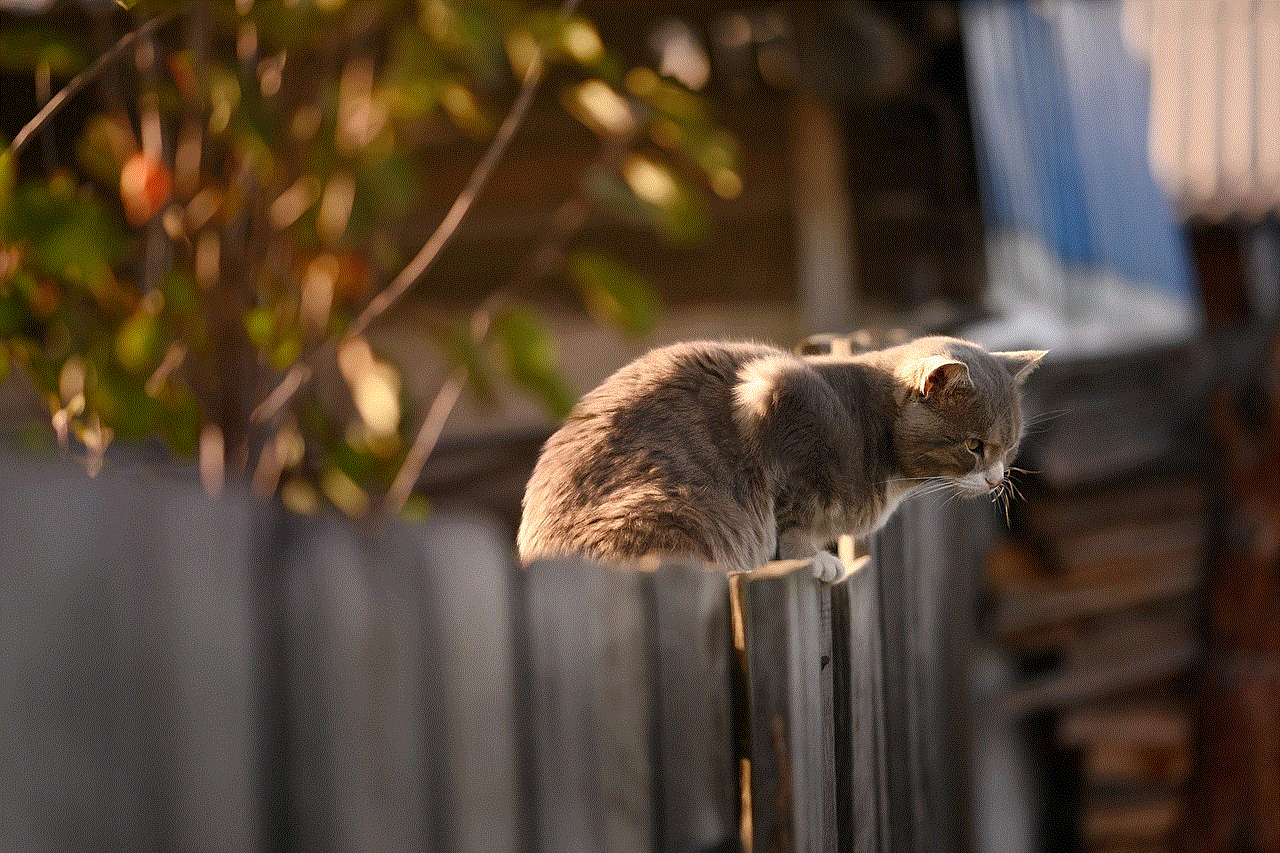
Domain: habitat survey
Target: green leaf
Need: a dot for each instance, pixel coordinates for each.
(466, 31)
(180, 295)
(124, 405)
(259, 325)
(287, 351)
(68, 234)
(7, 181)
(615, 294)
(182, 423)
(414, 75)
(462, 350)
(416, 509)
(386, 191)
(531, 359)
(680, 217)
(12, 312)
(102, 150)
(138, 341)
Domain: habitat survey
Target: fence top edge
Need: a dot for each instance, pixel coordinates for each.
(777, 569)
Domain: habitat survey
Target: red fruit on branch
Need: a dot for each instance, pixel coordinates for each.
(145, 185)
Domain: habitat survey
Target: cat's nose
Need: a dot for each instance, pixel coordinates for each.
(994, 476)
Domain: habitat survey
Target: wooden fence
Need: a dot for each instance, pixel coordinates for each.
(179, 674)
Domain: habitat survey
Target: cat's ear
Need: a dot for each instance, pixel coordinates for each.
(941, 374)
(1021, 363)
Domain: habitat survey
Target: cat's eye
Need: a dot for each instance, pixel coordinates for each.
(975, 444)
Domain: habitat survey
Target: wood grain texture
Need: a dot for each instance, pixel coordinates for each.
(125, 705)
(698, 763)
(786, 622)
(591, 668)
(861, 796)
(467, 569)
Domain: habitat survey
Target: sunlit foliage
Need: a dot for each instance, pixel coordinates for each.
(237, 196)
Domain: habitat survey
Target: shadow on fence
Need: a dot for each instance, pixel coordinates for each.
(180, 674)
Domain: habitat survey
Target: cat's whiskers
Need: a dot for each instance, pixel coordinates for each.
(957, 492)
(931, 489)
(1000, 497)
(1016, 491)
(1044, 417)
(1041, 422)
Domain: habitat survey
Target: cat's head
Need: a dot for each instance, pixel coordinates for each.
(961, 413)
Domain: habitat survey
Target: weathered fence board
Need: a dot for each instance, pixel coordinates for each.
(330, 645)
(186, 674)
(786, 634)
(698, 764)
(208, 560)
(926, 610)
(470, 572)
(405, 670)
(590, 670)
(124, 719)
(861, 796)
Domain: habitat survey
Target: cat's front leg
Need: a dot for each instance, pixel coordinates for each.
(796, 544)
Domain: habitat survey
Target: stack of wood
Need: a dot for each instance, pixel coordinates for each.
(1095, 594)
(1236, 804)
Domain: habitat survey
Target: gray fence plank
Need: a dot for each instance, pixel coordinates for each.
(469, 575)
(861, 774)
(926, 618)
(406, 678)
(894, 558)
(330, 647)
(124, 706)
(786, 627)
(590, 673)
(207, 560)
(51, 637)
(698, 760)
(360, 684)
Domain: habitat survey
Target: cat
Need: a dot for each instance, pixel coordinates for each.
(740, 453)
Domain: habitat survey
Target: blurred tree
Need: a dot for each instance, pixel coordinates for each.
(228, 228)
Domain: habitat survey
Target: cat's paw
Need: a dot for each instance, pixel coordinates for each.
(827, 567)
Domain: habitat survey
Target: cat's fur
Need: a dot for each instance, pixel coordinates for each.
(737, 453)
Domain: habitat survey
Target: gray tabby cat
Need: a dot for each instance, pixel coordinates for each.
(739, 453)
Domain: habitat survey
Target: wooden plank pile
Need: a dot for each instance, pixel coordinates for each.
(1236, 791)
(1095, 591)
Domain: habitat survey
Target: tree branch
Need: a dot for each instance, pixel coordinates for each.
(566, 222)
(58, 101)
(409, 276)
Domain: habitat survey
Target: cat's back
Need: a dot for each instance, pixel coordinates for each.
(645, 456)
(663, 389)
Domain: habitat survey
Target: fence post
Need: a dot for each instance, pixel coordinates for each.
(207, 560)
(925, 616)
(786, 637)
(591, 667)
(124, 706)
(861, 774)
(469, 579)
(698, 764)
